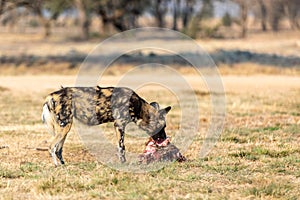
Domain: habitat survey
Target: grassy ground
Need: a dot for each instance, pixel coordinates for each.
(260, 53)
(256, 157)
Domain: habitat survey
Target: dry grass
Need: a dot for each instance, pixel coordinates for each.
(41, 55)
(224, 69)
(257, 156)
(256, 69)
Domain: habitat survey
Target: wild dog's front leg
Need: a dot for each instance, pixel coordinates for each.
(121, 147)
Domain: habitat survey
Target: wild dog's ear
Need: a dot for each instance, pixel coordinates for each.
(155, 105)
(167, 109)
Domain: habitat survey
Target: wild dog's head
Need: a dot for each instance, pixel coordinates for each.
(154, 121)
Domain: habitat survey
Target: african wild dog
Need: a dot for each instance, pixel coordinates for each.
(98, 105)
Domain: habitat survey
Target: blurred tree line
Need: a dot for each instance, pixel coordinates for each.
(192, 17)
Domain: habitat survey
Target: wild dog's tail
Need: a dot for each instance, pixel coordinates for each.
(47, 115)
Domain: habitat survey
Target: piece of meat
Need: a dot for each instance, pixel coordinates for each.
(160, 151)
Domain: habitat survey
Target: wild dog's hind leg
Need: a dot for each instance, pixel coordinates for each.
(59, 150)
(120, 135)
(58, 142)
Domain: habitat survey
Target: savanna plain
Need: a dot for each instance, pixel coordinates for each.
(257, 156)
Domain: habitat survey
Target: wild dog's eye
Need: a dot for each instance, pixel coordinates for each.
(161, 117)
